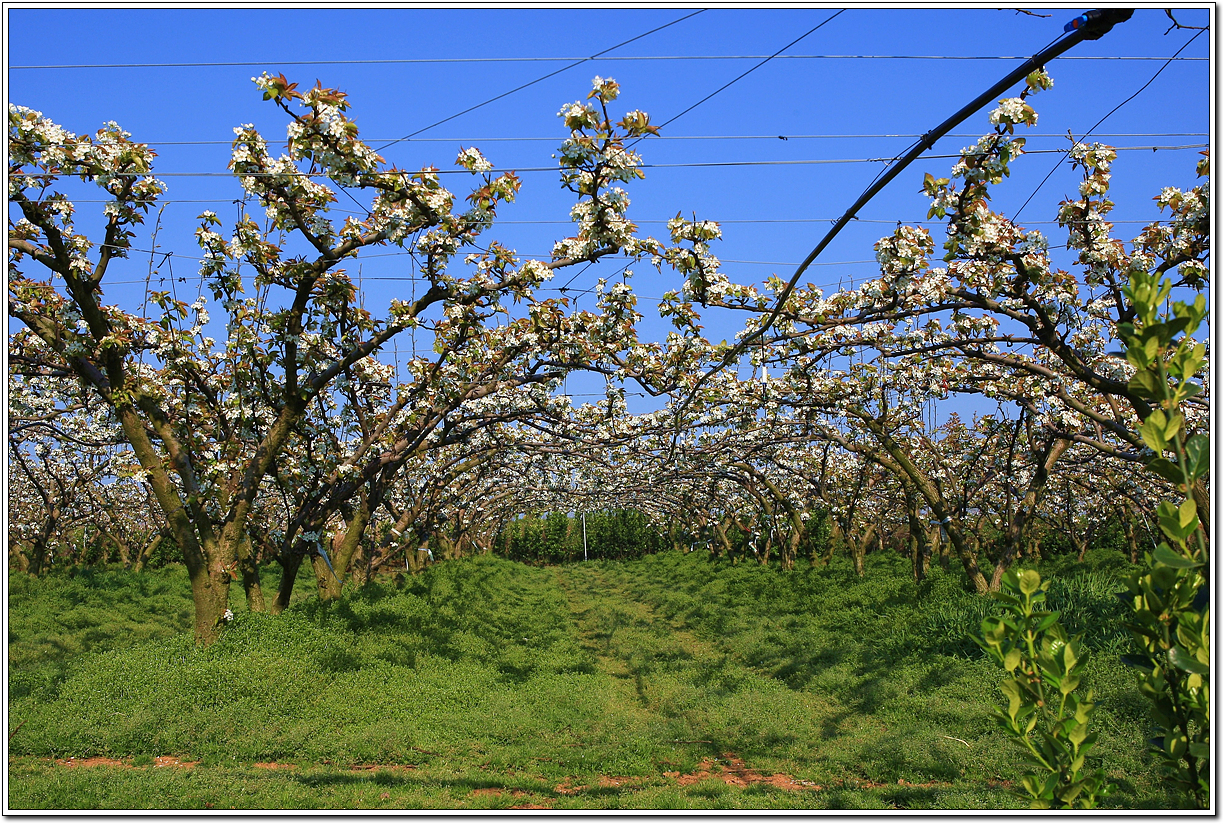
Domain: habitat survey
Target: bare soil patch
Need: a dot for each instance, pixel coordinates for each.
(96, 761)
(102, 761)
(731, 769)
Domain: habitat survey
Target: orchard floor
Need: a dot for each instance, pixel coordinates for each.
(668, 682)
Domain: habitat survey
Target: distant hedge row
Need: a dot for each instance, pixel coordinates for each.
(557, 537)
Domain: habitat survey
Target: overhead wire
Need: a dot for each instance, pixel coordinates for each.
(673, 137)
(740, 77)
(445, 60)
(1066, 152)
(688, 165)
(538, 80)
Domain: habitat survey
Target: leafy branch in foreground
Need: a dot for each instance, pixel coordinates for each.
(1172, 618)
(1045, 716)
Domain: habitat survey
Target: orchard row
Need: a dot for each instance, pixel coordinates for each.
(293, 439)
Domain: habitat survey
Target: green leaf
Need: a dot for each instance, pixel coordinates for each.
(1198, 455)
(1188, 513)
(1172, 426)
(1166, 469)
(1169, 518)
(1149, 344)
(1183, 660)
(1011, 689)
(1030, 581)
(1047, 622)
(1164, 555)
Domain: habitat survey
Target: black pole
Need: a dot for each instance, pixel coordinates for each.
(1095, 23)
(1088, 26)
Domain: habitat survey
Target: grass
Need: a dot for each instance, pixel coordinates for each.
(483, 683)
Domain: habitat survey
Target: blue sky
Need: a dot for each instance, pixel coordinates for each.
(827, 107)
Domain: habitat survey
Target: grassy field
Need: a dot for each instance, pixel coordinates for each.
(668, 682)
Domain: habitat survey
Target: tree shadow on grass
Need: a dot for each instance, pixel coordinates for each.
(410, 780)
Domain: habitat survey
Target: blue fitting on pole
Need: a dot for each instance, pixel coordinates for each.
(1098, 22)
(1077, 23)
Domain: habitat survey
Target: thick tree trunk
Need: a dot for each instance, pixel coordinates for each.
(939, 547)
(40, 547)
(920, 553)
(1005, 561)
(969, 555)
(1034, 547)
(36, 561)
(126, 556)
(207, 557)
(791, 551)
(327, 578)
(210, 592)
(18, 557)
(1080, 542)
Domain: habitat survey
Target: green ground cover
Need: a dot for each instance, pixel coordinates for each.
(665, 682)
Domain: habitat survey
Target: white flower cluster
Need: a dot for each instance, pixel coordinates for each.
(1012, 112)
(472, 160)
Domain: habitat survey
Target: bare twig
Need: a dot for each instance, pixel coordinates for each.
(1177, 25)
(14, 732)
(963, 741)
(1029, 13)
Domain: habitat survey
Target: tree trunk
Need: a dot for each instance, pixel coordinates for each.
(18, 557)
(289, 571)
(791, 550)
(142, 557)
(858, 547)
(939, 546)
(330, 580)
(1005, 561)
(36, 561)
(40, 547)
(126, 556)
(1132, 541)
(1080, 543)
(838, 540)
(920, 553)
(1202, 500)
(210, 592)
(248, 569)
(721, 531)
